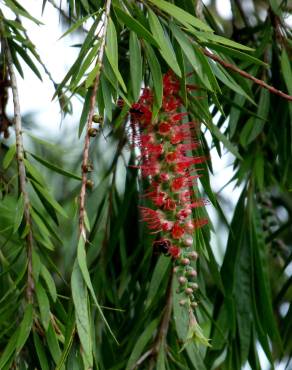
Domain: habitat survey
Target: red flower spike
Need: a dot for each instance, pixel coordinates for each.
(167, 158)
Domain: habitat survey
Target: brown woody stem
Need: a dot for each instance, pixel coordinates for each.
(21, 169)
(85, 159)
(244, 74)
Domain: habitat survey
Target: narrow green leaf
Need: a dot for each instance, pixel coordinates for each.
(135, 26)
(189, 52)
(78, 62)
(69, 337)
(34, 172)
(135, 65)
(36, 265)
(182, 323)
(18, 213)
(235, 53)
(25, 327)
(227, 42)
(112, 42)
(206, 70)
(227, 79)
(161, 359)
(165, 48)
(40, 352)
(25, 56)
(159, 272)
(18, 9)
(275, 5)
(77, 24)
(259, 166)
(262, 277)
(287, 71)
(141, 343)
(107, 97)
(221, 137)
(85, 5)
(9, 156)
(81, 257)
(49, 282)
(92, 76)
(84, 113)
(181, 15)
(53, 344)
(80, 299)
(43, 304)
(115, 69)
(9, 349)
(156, 74)
(51, 200)
(86, 63)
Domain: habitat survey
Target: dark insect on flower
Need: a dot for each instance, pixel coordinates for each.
(162, 246)
(136, 111)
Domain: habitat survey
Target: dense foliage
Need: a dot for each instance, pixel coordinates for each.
(82, 286)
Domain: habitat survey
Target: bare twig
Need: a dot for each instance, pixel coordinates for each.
(89, 124)
(244, 74)
(21, 168)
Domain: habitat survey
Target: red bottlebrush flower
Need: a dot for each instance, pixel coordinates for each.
(171, 104)
(167, 158)
(169, 205)
(178, 116)
(170, 84)
(177, 231)
(174, 251)
(177, 183)
(176, 138)
(184, 213)
(171, 157)
(164, 128)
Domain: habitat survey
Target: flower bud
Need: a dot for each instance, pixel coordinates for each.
(183, 302)
(194, 286)
(193, 255)
(185, 261)
(194, 304)
(97, 118)
(92, 132)
(189, 226)
(189, 291)
(192, 273)
(182, 280)
(89, 184)
(188, 241)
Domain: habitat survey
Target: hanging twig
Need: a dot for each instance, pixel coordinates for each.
(21, 167)
(244, 74)
(85, 160)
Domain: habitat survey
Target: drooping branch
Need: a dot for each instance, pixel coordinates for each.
(244, 74)
(85, 159)
(21, 167)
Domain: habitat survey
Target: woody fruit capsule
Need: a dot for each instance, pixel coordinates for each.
(167, 144)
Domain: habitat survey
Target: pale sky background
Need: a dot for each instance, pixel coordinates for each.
(35, 97)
